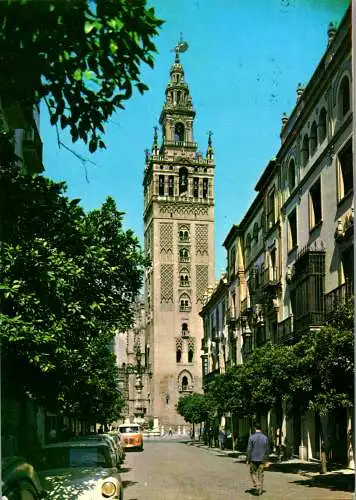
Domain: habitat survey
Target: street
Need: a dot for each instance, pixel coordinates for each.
(173, 470)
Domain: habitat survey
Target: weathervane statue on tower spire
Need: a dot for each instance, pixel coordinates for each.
(181, 46)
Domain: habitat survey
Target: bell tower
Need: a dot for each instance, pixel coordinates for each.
(179, 241)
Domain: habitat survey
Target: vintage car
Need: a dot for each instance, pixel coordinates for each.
(132, 436)
(84, 470)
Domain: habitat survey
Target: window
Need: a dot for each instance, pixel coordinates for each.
(183, 255)
(248, 244)
(305, 150)
(196, 187)
(313, 138)
(178, 355)
(184, 383)
(184, 280)
(190, 356)
(345, 176)
(161, 185)
(205, 188)
(291, 175)
(184, 303)
(322, 125)
(344, 97)
(232, 262)
(347, 261)
(185, 329)
(292, 230)
(183, 235)
(315, 205)
(270, 210)
(255, 232)
(171, 185)
(183, 180)
(179, 132)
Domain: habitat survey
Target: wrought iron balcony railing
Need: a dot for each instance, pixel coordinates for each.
(285, 330)
(271, 277)
(338, 296)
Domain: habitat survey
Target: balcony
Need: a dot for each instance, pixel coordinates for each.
(184, 258)
(338, 296)
(181, 144)
(308, 321)
(285, 330)
(185, 388)
(185, 308)
(270, 277)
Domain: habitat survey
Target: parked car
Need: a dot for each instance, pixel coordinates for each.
(120, 443)
(107, 438)
(20, 480)
(84, 470)
(132, 436)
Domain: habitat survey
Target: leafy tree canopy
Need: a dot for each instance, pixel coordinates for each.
(326, 363)
(68, 280)
(194, 408)
(82, 56)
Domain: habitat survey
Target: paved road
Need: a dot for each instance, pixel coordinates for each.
(170, 470)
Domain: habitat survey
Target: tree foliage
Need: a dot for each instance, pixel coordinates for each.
(316, 373)
(68, 280)
(194, 408)
(83, 57)
(326, 363)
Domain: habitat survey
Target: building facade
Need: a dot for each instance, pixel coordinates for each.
(179, 241)
(291, 258)
(134, 370)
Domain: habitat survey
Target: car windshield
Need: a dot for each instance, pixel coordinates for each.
(129, 428)
(81, 456)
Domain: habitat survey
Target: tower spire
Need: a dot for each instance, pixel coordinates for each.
(210, 150)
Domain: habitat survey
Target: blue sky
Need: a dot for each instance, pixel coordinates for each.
(243, 65)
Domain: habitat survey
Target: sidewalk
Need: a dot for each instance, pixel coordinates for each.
(336, 478)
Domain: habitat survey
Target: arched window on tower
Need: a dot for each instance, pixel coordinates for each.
(183, 234)
(179, 132)
(190, 355)
(183, 255)
(184, 279)
(184, 383)
(205, 188)
(185, 329)
(184, 303)
(196, 187)
(183, 180)
(161, 185)
(178, 355)
(171, 185)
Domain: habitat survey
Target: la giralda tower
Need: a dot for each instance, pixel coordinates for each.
(179, 240)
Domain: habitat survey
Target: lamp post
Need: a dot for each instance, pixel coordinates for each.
(138, 409)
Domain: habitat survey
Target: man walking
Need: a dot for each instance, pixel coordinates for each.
(257, 453)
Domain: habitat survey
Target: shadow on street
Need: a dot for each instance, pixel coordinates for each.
(333, 482)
